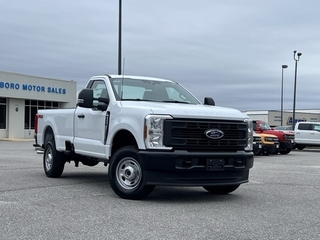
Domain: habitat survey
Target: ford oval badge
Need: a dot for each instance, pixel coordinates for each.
(214, 133)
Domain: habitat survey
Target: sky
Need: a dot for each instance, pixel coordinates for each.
(230, 50)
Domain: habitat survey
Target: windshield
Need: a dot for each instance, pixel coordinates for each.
(151, 90)
(264, 126)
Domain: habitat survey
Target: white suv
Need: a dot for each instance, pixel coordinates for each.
(307, 134)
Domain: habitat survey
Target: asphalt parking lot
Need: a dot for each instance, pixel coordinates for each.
(281, 201)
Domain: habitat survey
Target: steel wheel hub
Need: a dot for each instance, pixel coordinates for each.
(128, 173)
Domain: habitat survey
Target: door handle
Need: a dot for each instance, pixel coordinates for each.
(80, 116)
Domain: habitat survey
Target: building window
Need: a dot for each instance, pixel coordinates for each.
(3, 113)
(32, 107)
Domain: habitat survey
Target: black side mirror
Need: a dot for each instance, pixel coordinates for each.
(104, 100)
(209, 101)
(85, 98)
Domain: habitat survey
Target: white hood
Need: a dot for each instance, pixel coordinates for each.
(181, 110)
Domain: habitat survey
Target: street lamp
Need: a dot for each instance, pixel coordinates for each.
(296, 57)
(119, 43)
(283, 67)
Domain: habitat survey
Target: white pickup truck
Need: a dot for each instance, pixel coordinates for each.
(150, 132)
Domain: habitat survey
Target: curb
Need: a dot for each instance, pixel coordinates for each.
(17, 139)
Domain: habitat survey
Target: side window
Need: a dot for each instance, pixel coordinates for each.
(99, 90)
(316, 127)
(305, 126)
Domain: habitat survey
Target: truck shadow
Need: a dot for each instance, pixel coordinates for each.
(188, 195)
(161, 194)
(309, 149)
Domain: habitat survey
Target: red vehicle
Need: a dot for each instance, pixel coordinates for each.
(286, 138)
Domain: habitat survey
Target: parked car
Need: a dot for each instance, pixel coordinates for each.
(270, 144)
(307, 134)
(286, 138)
(286, 129)
(257, 144)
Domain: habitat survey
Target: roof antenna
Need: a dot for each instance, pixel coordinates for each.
(121, 94)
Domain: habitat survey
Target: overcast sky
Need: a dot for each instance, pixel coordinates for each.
(229, 50)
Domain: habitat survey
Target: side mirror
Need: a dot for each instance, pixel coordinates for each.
(104, 100)
(209, 101)
(85, 98)
(102, 106)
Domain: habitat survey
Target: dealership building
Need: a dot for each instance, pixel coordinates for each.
(273, 117)
(21, 96)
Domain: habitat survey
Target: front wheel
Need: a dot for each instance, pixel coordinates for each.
(285, 151)
(53, 160)
(126, 175)
(257, 151)
(221, 189)
(275, 151)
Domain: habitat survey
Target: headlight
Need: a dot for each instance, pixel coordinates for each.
(153, 131)
(256, 139)
(249, 146)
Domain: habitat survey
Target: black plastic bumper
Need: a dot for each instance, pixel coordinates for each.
(183, 168)
(36, 142)
(269, 148)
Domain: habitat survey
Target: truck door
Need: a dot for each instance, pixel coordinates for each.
(302, 134)
(90, 127)
(315, 134)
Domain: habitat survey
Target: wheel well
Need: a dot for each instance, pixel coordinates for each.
(47, 135)
(121, 139)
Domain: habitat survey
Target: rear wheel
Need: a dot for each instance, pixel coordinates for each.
(53, 160)
(126, 175)
(221, 189)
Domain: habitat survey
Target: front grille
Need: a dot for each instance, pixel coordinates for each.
(189, 134)
(288, 136)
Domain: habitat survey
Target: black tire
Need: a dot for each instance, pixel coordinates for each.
(275, 151)
(300, 147)
(53, 160)
(257, 152)
(285, 151)
(221, 189)
(126, 175)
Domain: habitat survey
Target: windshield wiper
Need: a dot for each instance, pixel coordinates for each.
(174, 101)
(136, 99)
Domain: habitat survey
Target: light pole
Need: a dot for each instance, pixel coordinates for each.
(283, 67)
(296, 57)
(119, 43)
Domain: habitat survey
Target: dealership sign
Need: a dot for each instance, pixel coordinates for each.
(290, 120)
(32, 88)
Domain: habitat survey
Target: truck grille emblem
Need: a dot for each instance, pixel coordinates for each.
(214, 133)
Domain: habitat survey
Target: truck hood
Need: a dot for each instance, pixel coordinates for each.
(181, 110)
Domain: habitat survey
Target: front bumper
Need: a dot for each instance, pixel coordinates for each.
(183, 168)
(270, 148)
